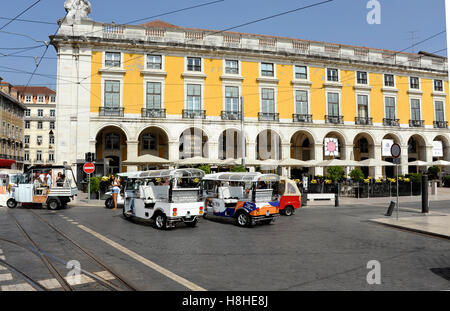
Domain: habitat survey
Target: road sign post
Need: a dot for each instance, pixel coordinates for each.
(396, 151)
(89, 168)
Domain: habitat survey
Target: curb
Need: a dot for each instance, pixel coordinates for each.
(412, 229)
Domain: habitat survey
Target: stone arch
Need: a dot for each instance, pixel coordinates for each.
(342, 142)
(110, 149)
(193, 142)
(268, 145)
(302, 145)
(230, 144)
(153, 140)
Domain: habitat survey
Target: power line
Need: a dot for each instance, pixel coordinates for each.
(21, 35)
(28, 21)
(425, 40)
(21, 13)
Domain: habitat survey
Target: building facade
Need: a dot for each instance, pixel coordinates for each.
(39, 124)
(11, 120)
(175, 92)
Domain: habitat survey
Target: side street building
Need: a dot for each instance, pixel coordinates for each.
(39, 127)
(175, 93)
(11, 133)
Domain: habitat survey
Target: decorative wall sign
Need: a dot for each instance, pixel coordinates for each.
(331, 147)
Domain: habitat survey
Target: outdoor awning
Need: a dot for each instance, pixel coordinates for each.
(420, 163)
(197, 161)
(146, 159)
(336, 162)
(7, 163)
(375, 162)
(441, 163)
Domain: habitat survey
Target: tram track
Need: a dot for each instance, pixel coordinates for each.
(45, 259)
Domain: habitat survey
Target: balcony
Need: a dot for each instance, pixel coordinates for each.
(440, 124)
(194, 114)
(363, 121)
(416, 123)
(111, 111)
(153, 113)
(302, 118)
(334, 119)
(268, 116)
(231, 115)
(391, 122)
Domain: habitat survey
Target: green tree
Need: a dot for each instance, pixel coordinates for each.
(336, 173)
(357, 175)
(433, 172)
(205, 168)
(95, 184)
(238, 168)
(415, 177)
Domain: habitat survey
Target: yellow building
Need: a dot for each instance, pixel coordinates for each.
(175, 93)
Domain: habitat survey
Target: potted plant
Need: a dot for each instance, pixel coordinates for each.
(94, 187)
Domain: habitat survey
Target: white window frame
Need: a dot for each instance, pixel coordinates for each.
(52, 99)
(37, 125)
(110, 76)
(443, 85)
(224, 99)
(419, 98)
(202, 61)
(356, 78)
(155, 80)
(225, 66)
(121, 59)
(340, 100)
(308, 92)
(274, 70)
(369, 113)
(307, 72)
(338, 73)
(275, 96)
(28, 99)
(42, 113)
(163, 66)
(384, 80)
(439, 99)
(202, 92)
(395, 102)
(420, 84)
(40, 101)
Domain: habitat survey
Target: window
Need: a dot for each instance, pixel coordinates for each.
(231, 98)
(363, 106)
(17, 133)
(112, 59)
(194, 97)
(51, 157)
(267, 70)
(268, 102)
(53, 99)
(27, 139)
(389, 80)
(52, 125)
(8, 130)
(194, 64)
(40, 99)
(40, 112)
(51, 140)
(28, 98)
(232, 67)
(27, 112)
(148, 142)
(112, 141)
(39, 140)
(301, 102)
(39, 155)
(414, 83)
(154, 62)
(112, 94)
(12, 131)
(26, 156)
(361, 77)
(389, 103)
(333, 104)
(52, 113)
(439, 111)
(27, 124)
(415, 110)
(301, 72)
(332, 75)
(4, 127)
(438, 86)
(40, 125)
(153, 95)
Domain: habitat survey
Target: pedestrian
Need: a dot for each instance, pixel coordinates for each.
(60, 180)
(49, 179)
(115, 191)
(42, 178)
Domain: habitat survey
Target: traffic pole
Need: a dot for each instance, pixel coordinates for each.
(242, 132)
(89, 188)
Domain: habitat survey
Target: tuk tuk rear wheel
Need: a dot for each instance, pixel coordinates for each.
(11, 203)
(243, 220)
(288, 211)
(161, 221)
(53, 205)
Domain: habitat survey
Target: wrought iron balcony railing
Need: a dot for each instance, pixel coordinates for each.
(153, 113)
(416, 123)
(268, 116)
(363, 121)
(391, 122)
(231, 115)
(440, 124)
(111, 111)
(303, 118)
(194, 114)
(334, 119)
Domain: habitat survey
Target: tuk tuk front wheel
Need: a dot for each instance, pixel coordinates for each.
(53, 205)
(11, 203)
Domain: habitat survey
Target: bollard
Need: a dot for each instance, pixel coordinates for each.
(424, 194)
(336, 197)
(390, 209)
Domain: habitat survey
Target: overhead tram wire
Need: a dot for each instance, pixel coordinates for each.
(226, 29)
(28, 21)
(425, 40)
(20, 14)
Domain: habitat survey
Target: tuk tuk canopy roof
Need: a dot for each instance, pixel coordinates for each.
(242, 177)
(175, 173)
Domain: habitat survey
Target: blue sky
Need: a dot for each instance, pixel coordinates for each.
(341, 21)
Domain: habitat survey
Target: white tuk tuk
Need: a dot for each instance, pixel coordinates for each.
(52, 192)
(8, 179)
(165, 196)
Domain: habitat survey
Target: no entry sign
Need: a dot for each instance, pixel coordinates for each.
(396, 150)
(89, 168)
